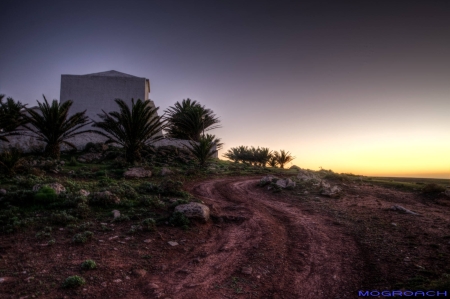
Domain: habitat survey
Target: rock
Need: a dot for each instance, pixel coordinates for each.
(116, 214)
(447, 192)
(117, 280)
(105, 197)
(267, 180)
(148, 240)
(307, 175)
(83, 192)
(332, 192)
(71, 172)
(55, 186)
(394, 224)
(62, 162)
(104, 284)
(285, 183)
(90, 157)
(295, 167)
(139, 272)
(137, 172)
(281, 183)
(113, 238)
(247, 270)
(194, 210)
(172, 243)
(166, 171)
(153, 286)
(403, 210)
(2, 192)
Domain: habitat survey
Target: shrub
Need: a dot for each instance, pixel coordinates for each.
(88, 265)
(433, 188)
(73, 162)
(62, 218)
(178, 219)
(148, 224)
(169, 187)
(82, 237)
(73, 282)
(46, 195)
(11, 161)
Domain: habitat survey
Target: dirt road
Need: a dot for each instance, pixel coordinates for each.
(262, 246)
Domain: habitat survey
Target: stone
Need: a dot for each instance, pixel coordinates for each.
(447, 192)
(90, 157)
(148, 240)
(173, 243)
(307, 175)
(267, 180)
(139, 272)
(112, 238)
(281, 183)
(62, 162)
(104, 284)
(166, 171)
(285, 183)
(116, 213)
(83, 192)
(247, 270)
(194, 210)
(137, 172)
(2, 192)
(295, 167)
(105, 197)
(55, 186)
(153, 286)
(117, 280)
(332, 192)
(71, 172)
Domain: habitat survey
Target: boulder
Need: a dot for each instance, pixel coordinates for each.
(105, 197)
(285, 183)
(333, 192)
(137, 172)
(55, 186)
(307, 175)
(194, 210)
(83, 192)
(116, 213)
(89, 157)
(166, 171)
(2, 192)
(267, 180)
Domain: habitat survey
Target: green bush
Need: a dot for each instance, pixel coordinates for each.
(169, 187)
(62, 218)
(82, 237)
(73, 162)
(88, 265)
(178, 219)
(11, 161)
(46, 195)
(433, 188)
(148, 224)
(73, 281)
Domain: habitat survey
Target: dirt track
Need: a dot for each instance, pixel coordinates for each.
(262, 246)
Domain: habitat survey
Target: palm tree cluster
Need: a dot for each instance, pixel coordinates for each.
(11, 118)
(260, 156)
(188, 119)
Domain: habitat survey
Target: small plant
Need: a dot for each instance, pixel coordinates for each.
(433, 189)
(149, 224)
(62, 218)
(51, 242)
(134, 229)
(73, 162)
(74, 281)
(82, 237)
(178, 219)
(88, 265)
(11, 161)
(46, 195)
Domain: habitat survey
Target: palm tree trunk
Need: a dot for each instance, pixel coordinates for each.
(52, 150)
(133, 155)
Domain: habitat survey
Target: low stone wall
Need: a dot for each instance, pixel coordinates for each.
(29, 144)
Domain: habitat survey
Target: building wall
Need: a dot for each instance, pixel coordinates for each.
(96, 93)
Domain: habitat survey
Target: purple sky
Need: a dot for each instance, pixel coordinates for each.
(358, 87)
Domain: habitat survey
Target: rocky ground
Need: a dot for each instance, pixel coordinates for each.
(258, 244)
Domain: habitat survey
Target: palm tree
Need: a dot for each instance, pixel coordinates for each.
(263, 155)
(283, 157)
(203, 150)
(273, 160)
(131, 128)
(11, 118)
(52, 125)
(232, 154)
(188, 119)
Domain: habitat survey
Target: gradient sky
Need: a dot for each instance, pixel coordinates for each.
(361, 87)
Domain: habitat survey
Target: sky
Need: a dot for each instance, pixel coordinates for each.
(358, 87)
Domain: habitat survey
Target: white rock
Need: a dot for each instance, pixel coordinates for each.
(116, 213)
(137, 172)
(194, 210)
(166, 171)
(83, 192)
(117, 280)
(2, 191)
(173, 243)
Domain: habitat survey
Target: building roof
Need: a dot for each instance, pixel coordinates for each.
(111, 73)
